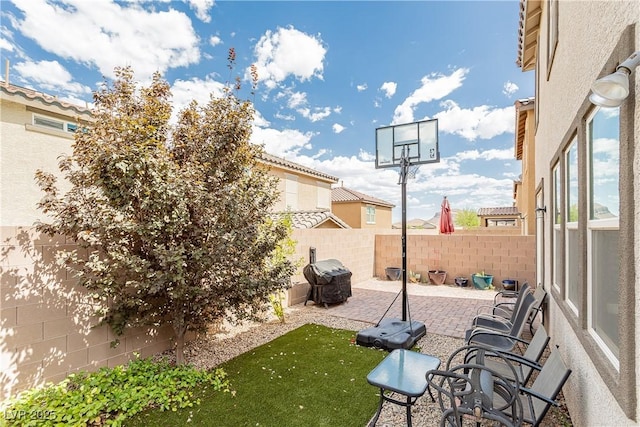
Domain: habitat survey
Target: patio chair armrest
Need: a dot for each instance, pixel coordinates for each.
(484, 331)
(494, 319)
(490, 310)
(537, 395)
(505, 294)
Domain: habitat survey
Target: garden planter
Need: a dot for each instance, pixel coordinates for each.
(482, 281)
(393, 273)
(461, 281)
(437, 277)
(510, 285)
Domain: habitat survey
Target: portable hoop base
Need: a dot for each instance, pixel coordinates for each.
(390, 334)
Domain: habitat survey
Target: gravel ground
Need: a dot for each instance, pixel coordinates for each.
(229, 341)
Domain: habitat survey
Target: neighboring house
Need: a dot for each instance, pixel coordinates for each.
(499, 217)
(305, 194)
(524, 189)
(417, 224)
(587, 178)
(360, 210)
(36, 130)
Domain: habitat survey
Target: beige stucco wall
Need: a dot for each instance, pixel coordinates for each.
(355, 214)
(46, 319)
(310, 190)
(589, 32)
(526, 202)
(351, 213)
(22, 152)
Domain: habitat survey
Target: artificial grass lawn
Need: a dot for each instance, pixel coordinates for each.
(311, 376)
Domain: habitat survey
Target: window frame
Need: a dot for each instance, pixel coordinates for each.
(571, 226)
(594, 225)
(370, 214)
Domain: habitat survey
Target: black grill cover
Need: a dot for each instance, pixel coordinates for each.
(330, 281)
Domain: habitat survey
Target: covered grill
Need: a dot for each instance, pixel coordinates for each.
(330, 282)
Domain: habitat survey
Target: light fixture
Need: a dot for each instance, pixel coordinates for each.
(612, 90)
(541, 211)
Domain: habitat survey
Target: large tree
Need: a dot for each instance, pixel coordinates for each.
(174, 219)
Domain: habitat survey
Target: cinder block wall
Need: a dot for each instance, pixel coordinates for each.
(46, 319)
(504, 256)
(353, 247)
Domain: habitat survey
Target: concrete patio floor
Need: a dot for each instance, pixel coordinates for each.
(445, 309)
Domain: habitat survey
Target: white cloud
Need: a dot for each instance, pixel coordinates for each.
(5, 45)
(483, 122)
(510, 88)
(493, 154)
(286, 143)
(337, 128)
(184, 91)
(389, 88)
(362, 87)
(215, 40)
(51, 76)
(297, 99)
(288, 52)
(434, 86)
(317, 114)
(201, 7)
(109, 34)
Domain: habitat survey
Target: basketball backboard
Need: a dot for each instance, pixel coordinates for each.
(419, 138)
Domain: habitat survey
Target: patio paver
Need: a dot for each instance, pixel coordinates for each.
(441, 315)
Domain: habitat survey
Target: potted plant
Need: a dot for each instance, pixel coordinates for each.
(414, 277)
(482, 280)
(393, 273)
(437, 277)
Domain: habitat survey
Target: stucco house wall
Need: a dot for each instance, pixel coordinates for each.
(592, 38)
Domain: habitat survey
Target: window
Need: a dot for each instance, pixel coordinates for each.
(572, 249)
(371, 214)
(501, 222)
(53, 123)
(324, 195)
(540, 237)
(603, 138)
(291, 192)
(557, 228)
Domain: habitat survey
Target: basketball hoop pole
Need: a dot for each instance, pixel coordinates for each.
(404, 170)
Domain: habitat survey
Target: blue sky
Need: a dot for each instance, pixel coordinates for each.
(329, 74)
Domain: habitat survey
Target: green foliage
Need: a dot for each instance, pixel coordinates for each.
(112, 395)
(311, 376)
(467, 218)
(174, 220)
(276, 301)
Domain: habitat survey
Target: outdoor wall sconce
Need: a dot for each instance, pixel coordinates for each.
(541, 211)
(612, 90)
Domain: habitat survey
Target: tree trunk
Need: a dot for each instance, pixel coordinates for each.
(180, 346)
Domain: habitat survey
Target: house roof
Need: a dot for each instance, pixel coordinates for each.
(311, 219)
(346, 195)
(501, 211)
(287, 164)
(34, 98)
(530, 14)
(522, 106)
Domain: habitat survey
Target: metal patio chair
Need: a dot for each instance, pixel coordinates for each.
(524, 365)
(537, 400)
(502, 315)
(503, 340)
(474, 392)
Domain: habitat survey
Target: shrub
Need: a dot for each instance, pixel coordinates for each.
(111, 395)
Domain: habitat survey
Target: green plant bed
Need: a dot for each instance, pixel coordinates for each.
(311, 376)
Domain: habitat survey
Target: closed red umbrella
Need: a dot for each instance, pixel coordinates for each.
(446, 220)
